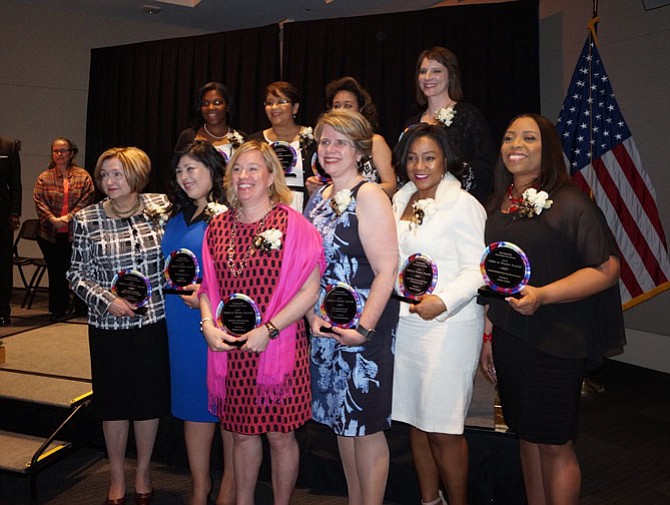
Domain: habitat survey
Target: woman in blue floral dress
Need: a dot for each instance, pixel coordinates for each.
(352, 368)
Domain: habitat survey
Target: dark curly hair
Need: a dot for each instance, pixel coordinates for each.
(196, 119)
(452, 156)
(206, 154)
(365, 104)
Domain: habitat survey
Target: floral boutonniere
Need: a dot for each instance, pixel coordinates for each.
(422, 209)
(531, 203)
(445, 116)
(158, 216)
(306, 138)
(341, 201)
(235, 139)
(268, 240)
(212, 209)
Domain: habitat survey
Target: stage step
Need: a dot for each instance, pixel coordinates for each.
(18, 450)
(42, 389)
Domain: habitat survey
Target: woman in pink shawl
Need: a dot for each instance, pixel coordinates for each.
(262, 262)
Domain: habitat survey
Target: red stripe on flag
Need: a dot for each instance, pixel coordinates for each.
(628, 279)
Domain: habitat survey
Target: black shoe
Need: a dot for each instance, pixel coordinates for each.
(57, 316)
(5, 321)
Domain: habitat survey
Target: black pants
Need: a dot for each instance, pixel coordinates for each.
(6, 267)
(57, 257)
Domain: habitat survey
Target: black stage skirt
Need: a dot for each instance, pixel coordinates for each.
(539, 393)
(131, 373)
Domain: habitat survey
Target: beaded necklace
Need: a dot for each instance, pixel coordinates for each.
(250, 250)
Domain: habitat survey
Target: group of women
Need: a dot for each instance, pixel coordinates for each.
(271, 244)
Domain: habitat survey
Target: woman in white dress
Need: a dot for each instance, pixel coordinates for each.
(439, 339)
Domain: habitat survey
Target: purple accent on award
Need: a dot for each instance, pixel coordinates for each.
(238, 314)
(417, 277)
(318, 170)
(181, 270)
(288, 156)
(505, 269)
(340, 306)
(133, 286)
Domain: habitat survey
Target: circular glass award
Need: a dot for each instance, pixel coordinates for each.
(181, 269)
(288, 156)
(133, 286)
(341, 305)
(238, 314)
(318, 170)
(505, 269)
(417, 277)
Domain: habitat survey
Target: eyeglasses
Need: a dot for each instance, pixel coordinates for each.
(277, 103)
(337, 143)
(60, 151)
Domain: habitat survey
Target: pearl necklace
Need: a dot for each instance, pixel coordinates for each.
(124, 213)
(204, 125)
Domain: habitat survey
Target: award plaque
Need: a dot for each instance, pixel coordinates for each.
(340, 306)
(318, 170)
(181, 270)
(133, 286)
(238, 314)
(288, 157)
(417, 277)
(505, 269)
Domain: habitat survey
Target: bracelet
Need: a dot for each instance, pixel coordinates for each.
(487, 337)
(204, 320)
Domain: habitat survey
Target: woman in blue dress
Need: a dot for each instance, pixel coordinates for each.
(196, 195)
(352, 367)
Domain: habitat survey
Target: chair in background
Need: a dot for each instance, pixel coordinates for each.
(29, 231)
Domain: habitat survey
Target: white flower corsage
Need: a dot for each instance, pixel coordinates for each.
(268, 240)
(532, 203)
(235, 139)
(445, 116)
(212, 209)
(422, 208)
(158, 216)
(341, 201)
(306, 138)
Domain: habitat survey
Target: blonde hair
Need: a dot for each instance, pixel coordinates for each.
(136, 166)
(352, 125)
(278, 190)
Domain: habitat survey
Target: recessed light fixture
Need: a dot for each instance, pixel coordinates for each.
(151, 9)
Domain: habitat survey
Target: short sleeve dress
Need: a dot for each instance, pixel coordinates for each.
(188, 349)
(241, 411)
(351, 385)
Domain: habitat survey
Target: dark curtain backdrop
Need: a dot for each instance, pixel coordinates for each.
(142, 94)
(497, 46)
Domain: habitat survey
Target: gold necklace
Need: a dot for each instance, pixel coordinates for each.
(121, 213)
(250, 250)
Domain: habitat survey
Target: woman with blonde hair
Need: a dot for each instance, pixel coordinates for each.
(262, 256)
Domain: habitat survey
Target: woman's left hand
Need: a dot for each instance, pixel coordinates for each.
(191, 299)
(256, 340)
(531, 300)
(348, 337)
(429, 307)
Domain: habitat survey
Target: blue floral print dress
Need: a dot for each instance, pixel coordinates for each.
(351, 385)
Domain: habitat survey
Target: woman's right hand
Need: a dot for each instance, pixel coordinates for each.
(121, 307)
(312, 183)
(486, 362)
(217, 339)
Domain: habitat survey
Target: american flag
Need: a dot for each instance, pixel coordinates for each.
(605, 163)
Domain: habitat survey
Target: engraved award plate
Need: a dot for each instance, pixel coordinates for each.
(288, 156)
(505, 269)
(133, 286)
(340, 306)
(417, 277)
(181, 270)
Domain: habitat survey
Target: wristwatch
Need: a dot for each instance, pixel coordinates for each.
(273, 332)
(368, 334)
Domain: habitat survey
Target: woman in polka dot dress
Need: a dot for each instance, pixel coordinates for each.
(259, 381)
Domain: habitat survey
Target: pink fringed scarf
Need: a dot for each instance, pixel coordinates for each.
(303, 250)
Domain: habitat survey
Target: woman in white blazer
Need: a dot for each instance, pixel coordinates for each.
(439, 337)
